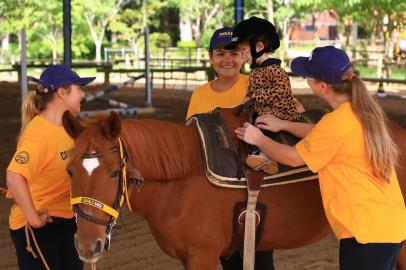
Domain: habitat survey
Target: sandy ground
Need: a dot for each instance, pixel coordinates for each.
(133, 247)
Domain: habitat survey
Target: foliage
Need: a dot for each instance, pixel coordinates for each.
(160, 40)
(98, 23)
(98, 14)
(186, 44)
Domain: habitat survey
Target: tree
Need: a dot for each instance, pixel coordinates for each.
(42, 22)
(47, 26)
(198, 15)
(16, 15)
(129, 22)
(98, 14)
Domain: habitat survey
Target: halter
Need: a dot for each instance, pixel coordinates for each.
(121, 196)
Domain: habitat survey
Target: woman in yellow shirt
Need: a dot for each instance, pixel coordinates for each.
(36, 176)
(354, 155)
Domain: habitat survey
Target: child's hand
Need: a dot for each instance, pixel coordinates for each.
(269, 122)
(249, 134)
(299, 106)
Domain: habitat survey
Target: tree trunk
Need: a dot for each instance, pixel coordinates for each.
(5, 42)
(185, 28)
(270, 11)
(54, 50)
(196, 31)
(135, 51)
(98, 44)
(54, 54)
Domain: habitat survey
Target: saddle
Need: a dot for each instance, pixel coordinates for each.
(225, 153)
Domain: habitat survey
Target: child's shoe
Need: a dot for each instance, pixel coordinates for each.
(259, 162)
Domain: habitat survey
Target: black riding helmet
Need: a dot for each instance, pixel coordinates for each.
(254, 30)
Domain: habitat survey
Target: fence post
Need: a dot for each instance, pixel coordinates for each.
(107, 69)
(379, 66)
(164, 74)
(23, 64)
(148, 85)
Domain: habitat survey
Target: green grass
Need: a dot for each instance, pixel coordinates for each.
(5, 66)
(370, 72)
(83, 72)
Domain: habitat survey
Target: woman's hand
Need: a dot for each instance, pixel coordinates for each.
(249, 134)
(269, 122)
(40, 220)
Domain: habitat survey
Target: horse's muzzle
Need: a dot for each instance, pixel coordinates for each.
(91, 253)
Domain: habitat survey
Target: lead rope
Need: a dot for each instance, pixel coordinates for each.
(93, 265)
(28, 231)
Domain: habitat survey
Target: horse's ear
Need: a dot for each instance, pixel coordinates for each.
(72, 125)
(112, 126)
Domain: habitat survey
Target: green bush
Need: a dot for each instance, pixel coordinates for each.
(186, 44)
(206, 38)
(160, 40)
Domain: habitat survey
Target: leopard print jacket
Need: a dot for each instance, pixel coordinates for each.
(269, 88)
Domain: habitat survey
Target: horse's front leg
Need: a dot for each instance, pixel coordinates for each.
(401, 263)
(201, 261)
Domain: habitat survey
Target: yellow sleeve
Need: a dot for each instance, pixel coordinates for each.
(26, 159)
(192, 109)
(320, 146)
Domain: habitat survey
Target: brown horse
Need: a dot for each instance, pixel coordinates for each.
(190, 218)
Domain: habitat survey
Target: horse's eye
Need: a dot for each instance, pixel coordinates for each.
(114, 174)
(69, 172)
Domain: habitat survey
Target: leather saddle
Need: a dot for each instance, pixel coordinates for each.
(225, 154)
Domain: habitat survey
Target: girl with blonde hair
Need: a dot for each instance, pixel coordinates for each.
(354, 155)
(42, 224)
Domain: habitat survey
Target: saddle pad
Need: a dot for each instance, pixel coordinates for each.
(220, 154)
(223, 167)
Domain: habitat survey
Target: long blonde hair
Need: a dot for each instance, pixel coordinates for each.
(35, 103)
(382, 151)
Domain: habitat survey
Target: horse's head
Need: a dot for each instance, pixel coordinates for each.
(98, 175)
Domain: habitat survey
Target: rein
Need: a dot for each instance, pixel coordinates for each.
(121, 197)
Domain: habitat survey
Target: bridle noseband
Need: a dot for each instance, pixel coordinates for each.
(121, 196)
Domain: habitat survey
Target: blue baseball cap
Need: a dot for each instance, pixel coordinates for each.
(56, 76)
(221, 37)
(327, 64)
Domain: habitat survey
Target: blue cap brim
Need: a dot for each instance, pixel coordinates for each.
(83, 81)
(300, 66)
(224, 44)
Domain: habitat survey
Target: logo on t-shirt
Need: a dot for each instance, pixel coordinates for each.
(306, 145)
(65, 154)
(22, 157)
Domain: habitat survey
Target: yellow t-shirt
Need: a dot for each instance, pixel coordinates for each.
(357, 204)
(205, 99)
(41, 157)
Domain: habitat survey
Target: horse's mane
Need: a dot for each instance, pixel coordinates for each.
(162, 150)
